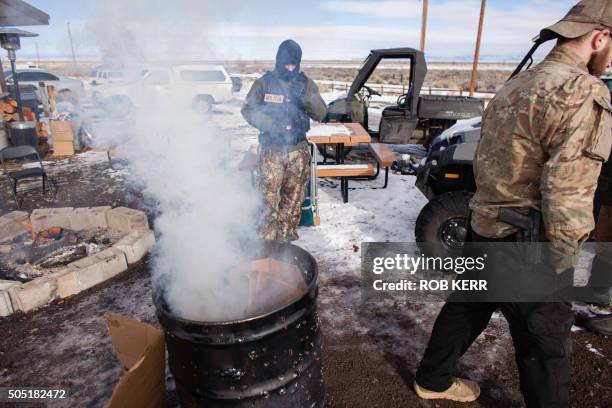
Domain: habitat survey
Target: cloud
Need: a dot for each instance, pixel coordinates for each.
(354, 27)
(385, 9)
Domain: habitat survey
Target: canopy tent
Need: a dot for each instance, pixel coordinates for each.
(19, 13)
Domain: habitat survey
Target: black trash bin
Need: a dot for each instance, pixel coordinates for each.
(24, 133)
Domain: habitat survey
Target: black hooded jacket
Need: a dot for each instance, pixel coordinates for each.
(281, 102)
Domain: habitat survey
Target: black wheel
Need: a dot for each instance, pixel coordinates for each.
(203, 104)
(442, 225)
(329, 150)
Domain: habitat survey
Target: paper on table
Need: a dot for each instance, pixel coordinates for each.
(328, 130)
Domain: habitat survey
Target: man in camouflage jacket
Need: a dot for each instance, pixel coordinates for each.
(544, 138)
(280, 105)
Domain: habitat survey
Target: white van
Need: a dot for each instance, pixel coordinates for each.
(100, 76)
(200, 85)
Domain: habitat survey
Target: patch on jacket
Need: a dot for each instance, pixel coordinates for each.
(274, 98)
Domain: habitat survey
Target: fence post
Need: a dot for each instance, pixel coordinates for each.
(430, 90)
(345, 87)
(332, 86)
(382, 90)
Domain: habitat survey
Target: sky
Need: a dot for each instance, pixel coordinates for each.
(326, 29)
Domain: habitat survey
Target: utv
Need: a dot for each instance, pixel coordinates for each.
(414, 118)
(446, 178)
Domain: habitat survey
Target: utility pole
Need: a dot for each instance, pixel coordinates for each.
(477, 52)
(37, 55)
(424, 25)
(71, 45)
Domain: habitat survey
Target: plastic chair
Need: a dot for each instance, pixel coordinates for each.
(22, 152)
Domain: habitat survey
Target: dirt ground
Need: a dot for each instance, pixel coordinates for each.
(369, 359)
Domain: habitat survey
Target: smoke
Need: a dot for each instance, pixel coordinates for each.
(179, 158)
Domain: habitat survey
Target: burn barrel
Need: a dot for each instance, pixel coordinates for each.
(24, 133)
(270, 360)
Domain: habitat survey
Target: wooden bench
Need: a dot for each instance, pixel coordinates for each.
(346, 171)
(384, 158)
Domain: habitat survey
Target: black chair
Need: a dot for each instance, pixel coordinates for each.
(17, 153)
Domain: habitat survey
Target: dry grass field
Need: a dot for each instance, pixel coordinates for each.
(440, 75)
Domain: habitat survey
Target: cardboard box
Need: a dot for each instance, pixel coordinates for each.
(61, 131)
(63, 148)
(141, 350)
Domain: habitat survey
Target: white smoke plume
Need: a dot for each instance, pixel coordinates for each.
(178, 159)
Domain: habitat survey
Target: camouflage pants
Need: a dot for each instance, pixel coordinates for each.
(283, 178)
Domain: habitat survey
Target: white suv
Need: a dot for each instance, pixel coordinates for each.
(61, 83)
(199, 85)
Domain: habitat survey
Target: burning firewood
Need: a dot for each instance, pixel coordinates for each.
(272, 284)
(63, 256)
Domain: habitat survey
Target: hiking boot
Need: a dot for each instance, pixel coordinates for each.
(461, 390)
(600, 325)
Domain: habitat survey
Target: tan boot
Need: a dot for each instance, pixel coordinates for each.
(461, 390)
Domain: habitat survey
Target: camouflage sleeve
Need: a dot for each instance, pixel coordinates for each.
(575, 152)
(252, 108)
(315, 105)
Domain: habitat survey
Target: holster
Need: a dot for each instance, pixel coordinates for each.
(529, 230)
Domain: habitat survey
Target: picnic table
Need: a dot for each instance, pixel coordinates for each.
(349, 134)
(340, 134)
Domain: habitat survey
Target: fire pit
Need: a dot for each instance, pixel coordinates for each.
(57, 252)
(271, 358)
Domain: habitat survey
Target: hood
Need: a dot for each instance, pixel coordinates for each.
(289, 52)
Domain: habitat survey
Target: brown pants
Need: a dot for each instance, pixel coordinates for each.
(283, 178)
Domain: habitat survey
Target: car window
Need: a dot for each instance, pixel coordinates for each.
(157, 78)
(202, 76)
(27, 76)
(36, 76)
(45, 76)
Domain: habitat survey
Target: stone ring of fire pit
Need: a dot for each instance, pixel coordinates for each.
(131, 227)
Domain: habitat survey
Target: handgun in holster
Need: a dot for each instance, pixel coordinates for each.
(529, 230)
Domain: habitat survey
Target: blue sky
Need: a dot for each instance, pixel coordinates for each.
(326, 29)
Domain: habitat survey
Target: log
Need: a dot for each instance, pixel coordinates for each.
(7, 108)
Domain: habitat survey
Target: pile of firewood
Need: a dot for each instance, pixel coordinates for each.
(9, 110)
(11, 114)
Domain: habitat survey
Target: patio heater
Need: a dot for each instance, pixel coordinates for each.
(9, 40)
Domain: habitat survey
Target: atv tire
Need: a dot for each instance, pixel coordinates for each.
(442, 225)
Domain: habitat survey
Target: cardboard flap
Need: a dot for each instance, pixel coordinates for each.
(130, 338)
(141, 349)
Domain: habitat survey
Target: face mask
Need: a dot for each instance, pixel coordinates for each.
(286, 74)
